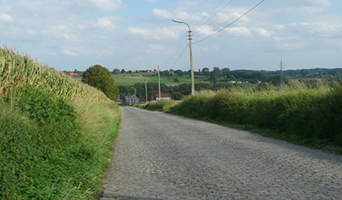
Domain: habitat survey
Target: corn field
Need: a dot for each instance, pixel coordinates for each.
(17, 70)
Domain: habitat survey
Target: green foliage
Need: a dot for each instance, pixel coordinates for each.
(162, 105)
(179, 72)
(215, 75)
(226, 72)
(17, 70)
(44, 124)
(262, 87)
(177, 92)
(56, 132)
(206, 72)
(310, 115)
(100, 78)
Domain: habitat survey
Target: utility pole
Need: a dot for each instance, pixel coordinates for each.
(159, 83)
(191, 60)
(146, 90)
(192, 65)
(281, 73)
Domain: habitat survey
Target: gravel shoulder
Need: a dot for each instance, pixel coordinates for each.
(162, 156)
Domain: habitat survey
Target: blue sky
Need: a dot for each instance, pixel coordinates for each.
(140, 34)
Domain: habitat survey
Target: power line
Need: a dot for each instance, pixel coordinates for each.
(230, 23)
(179, 57)
(231, 7)
(179, 47)
(212, 15)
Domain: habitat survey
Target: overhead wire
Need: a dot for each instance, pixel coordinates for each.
(226, 9)
(177, 48)
(179, 57)
(230, 23)
(214, 14)
(169, 58)
(229, 9)
(209, 12)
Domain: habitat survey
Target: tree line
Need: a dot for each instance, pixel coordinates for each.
(177, 92)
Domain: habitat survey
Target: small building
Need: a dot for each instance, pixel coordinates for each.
(131, 99)
(231, 81)
(119, 101)
(163, 96)
(73, 74)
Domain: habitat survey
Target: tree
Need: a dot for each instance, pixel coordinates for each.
(206, 72)
(123, 71)
(179, 72)
(100, 78)
(116, 71)
(176, 80)
(226, 72)
(215, 75)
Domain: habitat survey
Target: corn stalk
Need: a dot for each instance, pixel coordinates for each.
(17, 70)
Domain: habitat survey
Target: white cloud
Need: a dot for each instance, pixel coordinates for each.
(178, 14)
(278, 27)
(261, 32)
(82, 27)
(304, 6)
(239, 32)
(5, 17)
(328, 27)
(187, 3)
(224, 18)
(107, 4)
(104, 23)
(69, 53)
(157, 34)
(309, 3)
(206, 30)
(291, 43)
(156, 47)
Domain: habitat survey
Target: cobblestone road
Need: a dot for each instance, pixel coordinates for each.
(161, 156)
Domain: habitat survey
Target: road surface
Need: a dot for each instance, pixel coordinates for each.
(162, 156)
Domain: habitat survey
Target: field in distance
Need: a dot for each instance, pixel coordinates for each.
(132, 78)
(128, 79)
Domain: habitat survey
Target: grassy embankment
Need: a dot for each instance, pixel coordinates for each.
(56, 133)
(297, 113)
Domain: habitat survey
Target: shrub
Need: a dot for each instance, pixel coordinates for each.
(312, 113)
(162, 105)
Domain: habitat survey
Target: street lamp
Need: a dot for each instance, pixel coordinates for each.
(191, 60)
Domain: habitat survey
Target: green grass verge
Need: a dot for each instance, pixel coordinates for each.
(56, 133)
(39, 161)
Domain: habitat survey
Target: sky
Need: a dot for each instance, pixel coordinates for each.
(140, 34)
